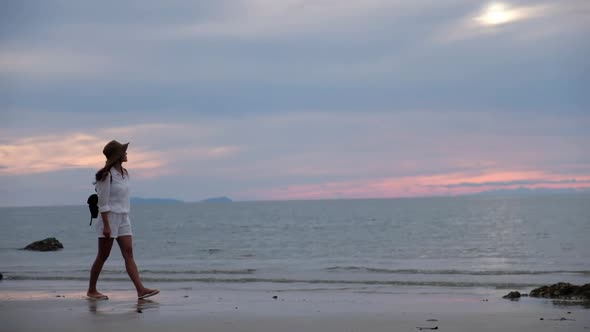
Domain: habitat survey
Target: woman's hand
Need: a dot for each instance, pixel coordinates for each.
(107, 231)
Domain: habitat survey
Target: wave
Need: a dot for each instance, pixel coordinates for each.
(150, 271)
(238, 271)
(497, 285)
(451, 271)
(250, 271)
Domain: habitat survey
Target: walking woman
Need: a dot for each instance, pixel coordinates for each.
(112, 187)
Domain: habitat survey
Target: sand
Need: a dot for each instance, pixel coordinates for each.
(62, 306)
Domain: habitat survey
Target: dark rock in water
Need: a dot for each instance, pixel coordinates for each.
(562, 290)
(1, 276)
(49, 244)
(512, 295)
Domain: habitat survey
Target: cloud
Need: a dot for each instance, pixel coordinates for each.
(43, 154)
(501, 13)
(49, 153)
(256, 96)
(414, 186)
(263, 19)
(319, 154)
(536, 182)
(262, 56)
(46, 64)
(491, 18)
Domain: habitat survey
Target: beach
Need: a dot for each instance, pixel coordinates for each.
(60, 306)
(356, 265)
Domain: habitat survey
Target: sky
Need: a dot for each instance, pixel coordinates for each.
(294, 99)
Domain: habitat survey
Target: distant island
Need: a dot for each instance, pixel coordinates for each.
(523, 191)
(139, 200)
(222, 199)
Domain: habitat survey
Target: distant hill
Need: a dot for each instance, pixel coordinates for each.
(217, 200)
(139, 200)
(522, 191)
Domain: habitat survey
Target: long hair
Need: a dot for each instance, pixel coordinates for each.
(102, 173)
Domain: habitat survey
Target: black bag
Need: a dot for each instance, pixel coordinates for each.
(93, 206)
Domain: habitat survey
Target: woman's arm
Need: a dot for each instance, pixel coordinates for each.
(103, 190)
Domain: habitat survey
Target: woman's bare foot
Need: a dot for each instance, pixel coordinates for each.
(96, 295)
(146, 292)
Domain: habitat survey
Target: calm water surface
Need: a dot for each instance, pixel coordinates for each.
(488, 242)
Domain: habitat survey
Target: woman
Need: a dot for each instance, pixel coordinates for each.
(112, 187)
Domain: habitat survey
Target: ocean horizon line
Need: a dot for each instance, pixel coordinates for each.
(203, 201)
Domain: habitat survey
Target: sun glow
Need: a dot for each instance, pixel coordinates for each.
(498, 13)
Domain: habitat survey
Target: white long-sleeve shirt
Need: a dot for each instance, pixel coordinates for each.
(113, 196)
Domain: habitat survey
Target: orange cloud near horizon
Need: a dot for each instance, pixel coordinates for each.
(50, 153)
(44, 154)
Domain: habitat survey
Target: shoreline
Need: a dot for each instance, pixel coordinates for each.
(62, 306)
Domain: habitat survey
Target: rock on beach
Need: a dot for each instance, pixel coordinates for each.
(512, 295)
(562, 290)
(49, 244)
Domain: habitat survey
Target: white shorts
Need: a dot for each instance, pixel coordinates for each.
(119, 222)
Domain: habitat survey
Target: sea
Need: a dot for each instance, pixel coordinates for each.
(375, 245)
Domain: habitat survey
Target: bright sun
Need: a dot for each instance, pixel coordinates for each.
(497, 13)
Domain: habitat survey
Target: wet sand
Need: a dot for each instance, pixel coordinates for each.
(25, 306)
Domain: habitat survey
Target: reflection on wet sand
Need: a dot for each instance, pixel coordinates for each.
(107, 306)
(145, 304)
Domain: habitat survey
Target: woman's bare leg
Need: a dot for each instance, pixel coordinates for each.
(126, 245)
(104, 250)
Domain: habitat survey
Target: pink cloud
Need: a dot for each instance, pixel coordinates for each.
(414, 186)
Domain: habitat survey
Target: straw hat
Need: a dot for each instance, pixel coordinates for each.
(114, 151)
